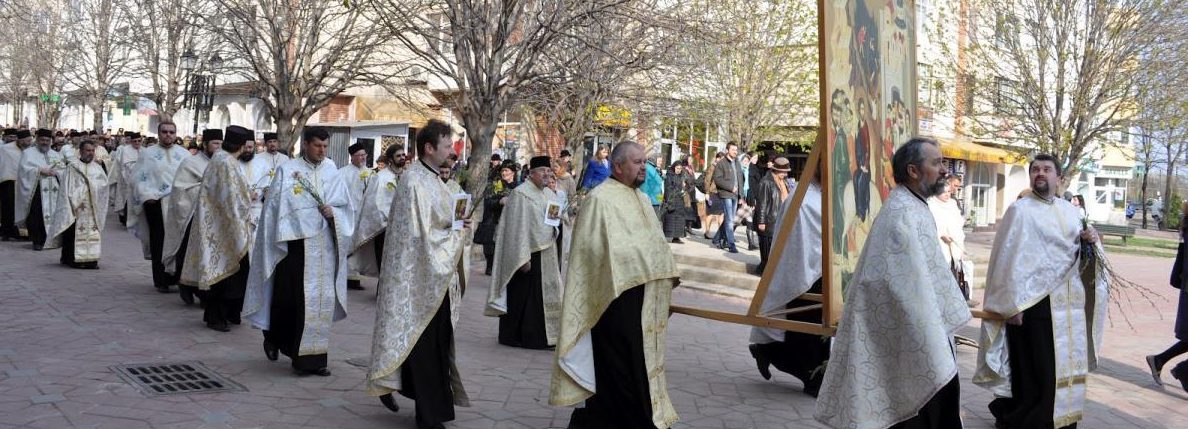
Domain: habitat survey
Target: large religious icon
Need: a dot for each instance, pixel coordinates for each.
(869, 61)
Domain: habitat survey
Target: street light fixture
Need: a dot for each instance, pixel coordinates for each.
(199, 96)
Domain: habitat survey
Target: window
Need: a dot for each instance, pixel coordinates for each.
(1004, 26)
(1004, 96)
(444, 39)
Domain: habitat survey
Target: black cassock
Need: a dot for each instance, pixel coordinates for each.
(623, 400)
(179, 261)
(35, 223)
(156, 227)
(68, 250)
(287, 320)
(800, 355)
(1033, 372)
(8, 228)
(425, 373)
(524, 323)
(224, 300)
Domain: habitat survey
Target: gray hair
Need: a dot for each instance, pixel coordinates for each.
(619, 153)
(911, 153)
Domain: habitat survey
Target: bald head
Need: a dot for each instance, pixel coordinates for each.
(627, 164)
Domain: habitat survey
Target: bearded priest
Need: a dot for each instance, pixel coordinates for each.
(297, 284)
(38, 190)
(368, 247)
(81, 210)
(893, 362)
(525, 290)
(412, 350)
(356, 175)
(186, 186)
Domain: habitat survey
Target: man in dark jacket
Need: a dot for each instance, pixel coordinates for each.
(728, 178)
(769, 197)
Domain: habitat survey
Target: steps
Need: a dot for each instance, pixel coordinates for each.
(733, 276)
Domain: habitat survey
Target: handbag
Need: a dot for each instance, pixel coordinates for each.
(959, 273)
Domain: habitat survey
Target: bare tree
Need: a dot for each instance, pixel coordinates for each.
(1058, 76)
(752, 64)
(1163, 111)
(14, 79)
(164, 32)
(102, 52)
(490, 50)
(300, 54)
(39, 48)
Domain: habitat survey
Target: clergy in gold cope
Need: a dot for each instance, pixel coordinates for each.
(81, 210)
(525, 291)
(412, 349)
(610, 352)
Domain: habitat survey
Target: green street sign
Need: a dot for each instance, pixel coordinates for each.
(50, 98)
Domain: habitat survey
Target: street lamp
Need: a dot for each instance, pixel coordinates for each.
(199, 95)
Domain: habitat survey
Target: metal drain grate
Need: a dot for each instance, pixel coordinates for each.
(174, 378)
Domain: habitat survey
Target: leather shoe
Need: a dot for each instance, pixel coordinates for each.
(187, 296)
(221, 327)
(271, 351)
(390, 402)
(354, 285)
(320, 372)
(162, 289)
(761, 361)
(1180, 375)
(1156, 368)
(37, 246)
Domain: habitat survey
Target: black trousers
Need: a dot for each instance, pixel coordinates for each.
(623, 400)
(524, 323)
(801, 355)
(224, 300)
(425, 374)
(288, 309)
(489, 255)
(1033, 372)
(35, 222)
(156, 227)
(764, 248)
(8, 228)
(179, 261)
(378, 242)
(943, 411)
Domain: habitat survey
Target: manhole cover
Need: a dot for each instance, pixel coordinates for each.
(173, 378)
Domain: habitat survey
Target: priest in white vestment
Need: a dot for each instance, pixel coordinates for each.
(272, 157)
(525, 290)
(217, 260)
(297, 284)
(372, 221)
(37, 191)
(10, 163)
(412, 350)
(1043, 279)
(81, 210)
(797, 272)
(610, 352)
(152, 187)
(120, 176)
(356, 175)
(893, 363)
(183, 203)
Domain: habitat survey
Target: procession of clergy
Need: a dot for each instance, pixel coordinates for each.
(276, 241)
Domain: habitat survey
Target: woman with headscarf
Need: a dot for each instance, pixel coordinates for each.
(677, 199)
(496, 194)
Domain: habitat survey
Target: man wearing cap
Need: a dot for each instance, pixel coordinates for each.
(368, 242)
(81, 212)
(152, 188)
(10, 162)
(120, 175)
(525, 291)
(37, 193)
(356, 175)
(217, 260)
(272, 157)
(297, 283)
(769, 196)
(183, 203)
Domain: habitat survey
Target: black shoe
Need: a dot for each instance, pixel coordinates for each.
(271, 351)
(761, 361)
(187, 296)
(320, 372)
(38, 247)
(752, 247)
(1180, 375)
(162, 289)
(390, 402)
(732, 250)
(1155, 367)
(235, 321)
(813, 387)
(221, 326)
(677, 241)
(354, 285)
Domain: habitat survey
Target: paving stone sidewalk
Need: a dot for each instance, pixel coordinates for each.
(61, 329)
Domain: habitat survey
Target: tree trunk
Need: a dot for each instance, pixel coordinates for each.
(480, 131)
(286, 133)
(1143, 194)
(97, 112)
(1167, 191)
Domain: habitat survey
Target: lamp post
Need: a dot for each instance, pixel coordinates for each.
(200, 82)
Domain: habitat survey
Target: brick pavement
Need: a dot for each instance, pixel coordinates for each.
(60, 329)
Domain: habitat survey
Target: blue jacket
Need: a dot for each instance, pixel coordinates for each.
(596, 172)
(653, 184)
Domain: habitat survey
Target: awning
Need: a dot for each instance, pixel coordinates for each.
(970, 151)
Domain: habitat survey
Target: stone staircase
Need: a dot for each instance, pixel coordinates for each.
(718, 276)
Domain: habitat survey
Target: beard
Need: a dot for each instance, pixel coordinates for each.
(247, 156)
(400, 163)
(935, 189)
(1041, 187)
